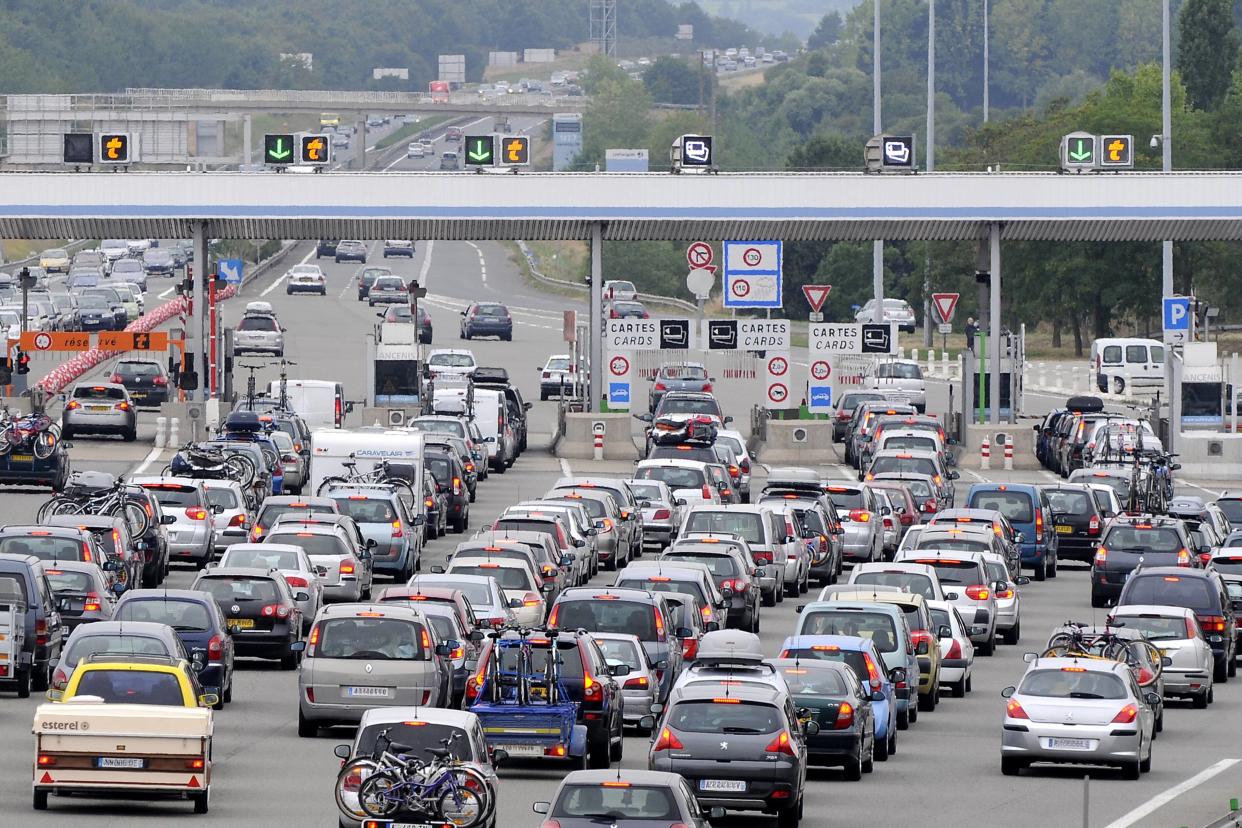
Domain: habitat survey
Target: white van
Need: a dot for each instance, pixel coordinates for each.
(491, 415)
(331, 449)
(321, 403)
(1124, 364)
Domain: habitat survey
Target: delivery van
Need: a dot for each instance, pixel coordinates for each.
(1126, 364)
(321, 403)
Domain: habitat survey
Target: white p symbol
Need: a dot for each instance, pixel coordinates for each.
(1177, 312)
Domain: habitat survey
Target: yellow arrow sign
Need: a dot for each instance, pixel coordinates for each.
(1116, 150)
(114, 146)
(314, 149)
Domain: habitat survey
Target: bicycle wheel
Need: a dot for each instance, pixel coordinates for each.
(329, 482)
(44, 445)
(473, 780)
(348, 783)
(49, 508)
(240, 469)
(5, 445)
(135, 516)
(1061, 640)
(373, 795)
(461, 807)
(402, 487)
(66, 506)
(270, 457)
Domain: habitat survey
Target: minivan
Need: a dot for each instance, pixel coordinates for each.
(24, 575)
(1127, 363)
(1028, 510)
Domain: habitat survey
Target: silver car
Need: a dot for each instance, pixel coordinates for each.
(639, 687)
(231, 519)
(1008, 600)
(895, 310)
(900, 380)
(860, 518)
(662, 514)
(1177, 633)
(1082, 711)
(259, 333)
(192, 534)
(362, 656)
(99, 408)
(347, 573)
(294, 564)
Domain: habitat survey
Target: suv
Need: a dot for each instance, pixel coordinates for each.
(326, 247)
(765, 531)
(144, 379)
(1078, 520)
(385, 518)
(1204, 593)
(1133, 541)
(261, 610)
(259, 333)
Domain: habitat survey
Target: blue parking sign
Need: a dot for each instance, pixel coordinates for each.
(1176, 319)
(619, 395)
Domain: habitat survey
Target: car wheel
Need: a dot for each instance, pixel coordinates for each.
(1011, 636)
(306, 728)
(1041, 568)
(1010, 767)
(617, 749)
(1145, 764)
(769, 598)
(892, 743)
(1132, 770)
(600, 752)
(927, 702)
(289, 661)
(868, 763)
(958, 688)
(131, 435)
(780, 591)
(988, 648)
(789, 817)
(904, 719)
(40, 678)
(543, 396)
(23, 683)
(1098, 601)
(1220, 673)
(1233, 666)
(1201, 700)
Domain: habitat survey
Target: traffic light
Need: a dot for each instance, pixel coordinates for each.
(23, 362)
(79, 148)
(114, 148)
(278, 149)
(480, 150)
(6, 371)
(314, 149)
(515, 150)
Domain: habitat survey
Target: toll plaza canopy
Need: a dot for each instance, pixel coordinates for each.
(1127, 206)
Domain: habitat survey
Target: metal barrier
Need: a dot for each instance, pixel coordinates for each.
(533, 261)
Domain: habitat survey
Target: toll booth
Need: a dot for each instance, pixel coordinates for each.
(393, 372)
(976, 390)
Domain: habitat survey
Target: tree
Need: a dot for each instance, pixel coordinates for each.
(827, 32)
(1209, 49)
(670, 80)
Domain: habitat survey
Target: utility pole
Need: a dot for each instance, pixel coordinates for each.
(931, 158)
(877, 247)
(986, 60)
(1166, 139)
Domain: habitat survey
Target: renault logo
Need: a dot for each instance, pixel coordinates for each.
(368, 668)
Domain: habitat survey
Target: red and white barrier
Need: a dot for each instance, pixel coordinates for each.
(1008, 452)
(985, 454)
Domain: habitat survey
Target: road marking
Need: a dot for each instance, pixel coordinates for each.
(344, 290)
(482, 261)
(1160, 800)
(142, 467)
(167, 293)
(565, 470)
(978, 477)
(282, 276)
(425, 270)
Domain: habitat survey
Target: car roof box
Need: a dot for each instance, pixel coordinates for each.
(1085, 404)
(490, 376)
(729, 646)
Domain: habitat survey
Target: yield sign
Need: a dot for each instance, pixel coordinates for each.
(817, 295)
(945, 304)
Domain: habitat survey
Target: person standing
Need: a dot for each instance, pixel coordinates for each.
(971, 330)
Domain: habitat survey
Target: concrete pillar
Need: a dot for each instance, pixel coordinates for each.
(931, 360)
(247, 149)
(995, 320)
(596, 385)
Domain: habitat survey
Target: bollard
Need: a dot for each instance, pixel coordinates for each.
(985, 454)
(1008, 452)
(597, 429)
(174, 440)
(1043, 374)
(1056, 383)
(161, 436)
(914, 354)
(931, 360)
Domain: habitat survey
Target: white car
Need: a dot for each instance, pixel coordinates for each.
(736, 441)
(916, 578)
(895, 310)
(957, 652)
(516, 580)
(294, 564)
(451, 361)
(1177, 633)
(415, 150)
(688, 480)
(1008, 601)
(306, 278)
(900, 380)
(232, 522)
(556, 377)
(620, 290)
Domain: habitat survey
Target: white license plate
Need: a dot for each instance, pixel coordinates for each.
(524, 750)
(730, 785)
(1071, 744)
(127, 762)
(370, 692)
(410, 825)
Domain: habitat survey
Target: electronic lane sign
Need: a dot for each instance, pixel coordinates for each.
(480, 150)
(515, 150)
(1078, 151)
(278, 149)
(314, 149)
(696, 150)
(898, 151)
(674, 334)
(114, 148)
(79, 148)
(1116, 152)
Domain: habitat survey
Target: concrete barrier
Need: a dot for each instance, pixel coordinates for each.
(805, 442)
(1020, 433)
(577, 442)
(1209, 455)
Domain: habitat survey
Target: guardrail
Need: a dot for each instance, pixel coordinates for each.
(71, 247)
(533, 262)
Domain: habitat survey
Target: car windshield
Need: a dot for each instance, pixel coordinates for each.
(258, 323)
(804, 681)
(452, 360)
(1014, 505)
(509, 577)
(225, 498)
(132, 687)
(366, 509)
(389, 283)
(746, 525)
(608, 615)
(878, 626)
(305, 270)
(370, 638)
(955, 544)
(626, 652)
(63, 580)
(647, 491)
(903, 463)
(1172, 591)
(172, 494)
(138, 369)
(683, 372)
(908, 581)
(953, 572)
(454, 427)
(88, 302)
(846, 499)
(189, 616)
(492, 310)
(260, 558)
(1232, 507)
(98, 392)
(898, 370)
(721, 566)
(1139, 539)
(45, 548)
(910, 441)
(688, 405)
(313, 543)
(478, 593)
(725, 717)
(1157, 627)
(1072, 683)
(417, 735)
(632, 802)
(1070, 502)
(1229, 564)
(271, 513)
(122, 644)
(675, 477)
(241, 589)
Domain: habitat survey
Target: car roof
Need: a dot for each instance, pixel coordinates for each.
(153, 629)
(1151, 609)
(74, 566)
(757, 691)
(353, 610)
(463, 719)
(634, 776)
(1100, 665)
(60, 526)
(844, 642)
(239, 572)
(587, 593)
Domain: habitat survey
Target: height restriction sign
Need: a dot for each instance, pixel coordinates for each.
(619, 388)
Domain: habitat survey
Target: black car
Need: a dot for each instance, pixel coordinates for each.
(1201, 591)
(260, 609)
(486, 319)
(145, 380)
(1077, 520)
(95, 314)
(326, 247)
(450, 476)
(1134, 540)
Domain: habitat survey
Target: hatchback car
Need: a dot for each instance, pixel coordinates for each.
(387, 289)
(259, 333)
(120, 638)
(366, 277)
(100, 408)
(337, 548)
(403, 315)
(384, 518)
(1029, 511)
(361, 656)
(399, 247)
(191, 535)
(1083, 711)
(274, 507)
(639, 687)
(1176, 631)
(730, 571)
(629, 797)
(82, 592)
(350, 250)
(556, 377)
(158, 261)
(685, 376)
(145, 380)
(486, 319)
(859, 515)
(517, 580)
(294, 565)
(1202, 592)
(230, 517)
(1131, 541)
(261, 611)
(834, 699)
(957, 651)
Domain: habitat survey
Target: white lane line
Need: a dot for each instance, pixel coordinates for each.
(1161, 799)
(978, 477)
(344, 290)
(482, 261)
(1212, 492)
(425, 270)
(167, 293)
(565, 470)
(142, 467)
(281, 278)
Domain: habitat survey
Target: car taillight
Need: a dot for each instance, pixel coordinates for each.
(735, 584)
(161, 380)
(1192, 632)
(1093, 525)
(550, 823)
(1039, 525)
(689, 648)
(639, 683)
(707, 492)
(745, 466)
(1212, 623)
(1101, 556)
(456, 485)
(196, 513)
(922, 635)
(353, 780)
(707, 614)
(92, 602)
(659, 386)
(845, 716)
(659, 623)
(977, 592)
(1145, 676)
(238, 520)
(873, 673)
(955, 650)
(1183, 557)
(72, 405)
(531, 599)
(1126, 715)
(929, 505)
(429, 504)
(312, 642)
(115, 378)
(860, 515)
(87, 556)
(256, 533)
(347, 568)
(215, 648)
(337, 409)
(1015, 711)
(475, 685)
(60, 679)
(661, 514)
(762, 557)
(668, 741)
(605, 526)
(1004, 593)
(274, 611)
(781, 744)
(122, 405)
(296, 581)
(592, 690)
(553, 615)
(397, 532)
(41, 637)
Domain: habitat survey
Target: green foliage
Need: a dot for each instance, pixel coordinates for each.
(827, 32)
(1208, 50)
(675, 81)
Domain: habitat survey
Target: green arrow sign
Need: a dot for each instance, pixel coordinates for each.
(278, 148)
(1081, 149)
(480, 150)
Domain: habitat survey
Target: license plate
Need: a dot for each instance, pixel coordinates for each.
(1064, 530)
(242, 623)
(1071, 744)
(411, 825)
(126, 762)
(524, 750)
(21, 458)
(369, 692)
(730, 785)
(99, 407)
(538, 692)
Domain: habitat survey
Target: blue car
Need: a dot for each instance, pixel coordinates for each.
(1030, 513)
(863, 658)
(486, 319)
(196, 618)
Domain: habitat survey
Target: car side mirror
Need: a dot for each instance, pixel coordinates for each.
(544, 807)
(681, 501)
(878, 695)
(952, 596)
(578, 542)
(953, 475)
(515, 603)
(342, 752)
(898, 674)
(1175, 466)
(645, 417)
(117, 589)
(208, 700)
(683, 632)
(944, 631)
(1022, 580)
(1018, 537)
(419, 520)
(217, 510)
(999, 586)
(443, 649)
(437, 570)
(810, 729)
(712, 626)
(567, 560)
(371, 544)
(477, 636)
(619, 670)
(727, 592)
(661, 665)
(301, 596)
(1152, 699)
(1008, 691)
(365, 555)
(921, 649)
(657, 708)
(168, 520)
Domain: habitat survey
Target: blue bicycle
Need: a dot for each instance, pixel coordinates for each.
(442, 788)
